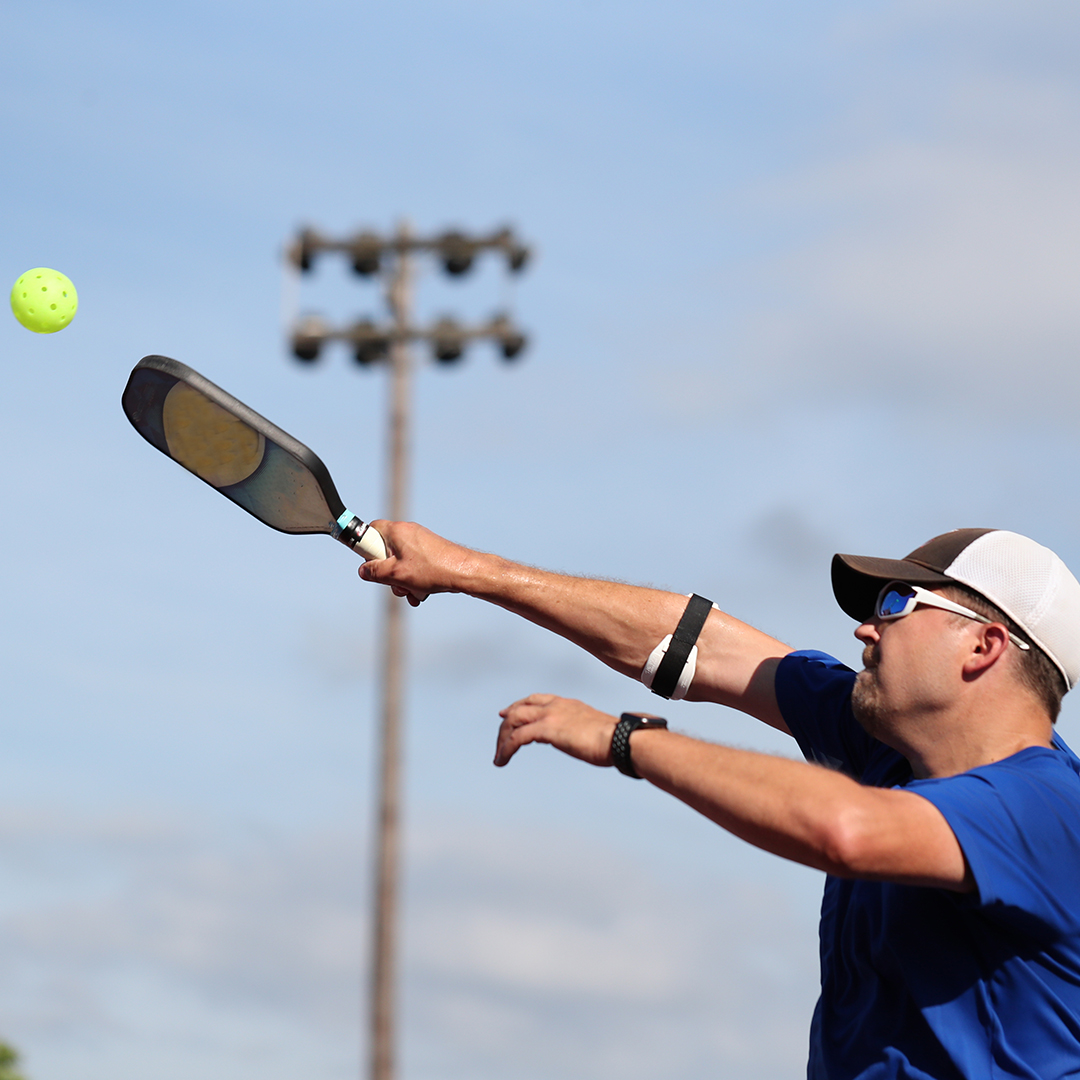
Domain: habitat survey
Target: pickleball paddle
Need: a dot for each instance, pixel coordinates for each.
(240, 453)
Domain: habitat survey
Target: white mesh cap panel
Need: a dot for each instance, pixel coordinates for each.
(1032, 586)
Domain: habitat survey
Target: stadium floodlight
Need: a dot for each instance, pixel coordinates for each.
(513, 344)
(447, 340)
(366, 252)
(510, 340)
(457, 253)
(308, 337)
(370, 344)
(302, 250)
(517, 257)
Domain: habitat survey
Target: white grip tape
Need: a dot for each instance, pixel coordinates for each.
(371, 544)
(686, 676)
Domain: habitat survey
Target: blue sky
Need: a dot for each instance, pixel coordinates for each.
(806, 281)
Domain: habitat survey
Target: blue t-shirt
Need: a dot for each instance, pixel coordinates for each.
(920, 983)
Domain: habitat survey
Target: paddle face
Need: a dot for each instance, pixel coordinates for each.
(232, 448)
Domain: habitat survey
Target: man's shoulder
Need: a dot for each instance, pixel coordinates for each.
(1056, 763)
(813, 690)
(1018, 823)
(808, 674)
(1037, 788)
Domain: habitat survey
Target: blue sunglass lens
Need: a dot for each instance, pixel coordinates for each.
(893, 602)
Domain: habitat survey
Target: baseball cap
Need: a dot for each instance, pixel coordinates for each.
(1024, 579)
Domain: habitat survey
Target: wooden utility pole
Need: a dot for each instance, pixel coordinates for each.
(391, 259)
(384, 930)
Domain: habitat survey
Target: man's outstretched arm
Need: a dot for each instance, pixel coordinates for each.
(802, 812)
(619, 624)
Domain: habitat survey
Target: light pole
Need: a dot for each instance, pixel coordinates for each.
(391, 259)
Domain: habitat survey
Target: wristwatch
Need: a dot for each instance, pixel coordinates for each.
(628, 723)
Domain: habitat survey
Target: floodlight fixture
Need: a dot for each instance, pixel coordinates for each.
(308, 338)
(366, 253)
(302, 250)
(517, 257)
(512, 344)
(370, 344)
(510, 340)
(457, 253)
(447, 340)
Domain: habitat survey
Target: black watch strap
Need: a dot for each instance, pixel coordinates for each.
(620, 742)
(682, 641)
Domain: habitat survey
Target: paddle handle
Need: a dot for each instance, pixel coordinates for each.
(370, 544)
(360, 536)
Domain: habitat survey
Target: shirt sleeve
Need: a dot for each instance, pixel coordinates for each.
(813, 691)
(1018, 823)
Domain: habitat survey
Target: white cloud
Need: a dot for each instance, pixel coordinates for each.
(928, 236)
(546, 951)
(521, 951)
(559, 952)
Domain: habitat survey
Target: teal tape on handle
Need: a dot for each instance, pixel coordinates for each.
(342, 524)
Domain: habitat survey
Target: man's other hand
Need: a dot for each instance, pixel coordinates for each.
(571, 726)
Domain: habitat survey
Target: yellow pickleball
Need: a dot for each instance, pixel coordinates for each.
(205, 438)
(44, 300)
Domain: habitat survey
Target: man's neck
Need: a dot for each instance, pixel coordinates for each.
(974, 736)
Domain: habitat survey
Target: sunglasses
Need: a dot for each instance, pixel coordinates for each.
(898, 599)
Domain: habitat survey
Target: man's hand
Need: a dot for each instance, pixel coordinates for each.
(418, 562)
(571, 726)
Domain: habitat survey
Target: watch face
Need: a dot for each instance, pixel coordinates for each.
(644, 720)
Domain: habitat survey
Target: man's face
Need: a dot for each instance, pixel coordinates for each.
(911, 671)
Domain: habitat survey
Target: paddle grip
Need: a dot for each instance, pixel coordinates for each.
(370, 544)
(360, 536)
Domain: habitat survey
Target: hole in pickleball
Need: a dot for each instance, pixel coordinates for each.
(52, 307)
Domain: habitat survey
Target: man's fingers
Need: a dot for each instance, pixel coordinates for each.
(516, 732)
(532, 699)
(518, 727)
(381, 574)
(570, 726)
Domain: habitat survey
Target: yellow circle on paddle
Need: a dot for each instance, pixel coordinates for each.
(205, 438)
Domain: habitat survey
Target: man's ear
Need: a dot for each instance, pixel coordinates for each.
(989, 644)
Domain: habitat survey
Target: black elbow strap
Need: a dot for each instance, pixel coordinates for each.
(683, 640)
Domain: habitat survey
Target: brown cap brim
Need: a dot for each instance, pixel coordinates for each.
(857, 580)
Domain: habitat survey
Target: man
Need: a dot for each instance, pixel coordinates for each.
(940, 801)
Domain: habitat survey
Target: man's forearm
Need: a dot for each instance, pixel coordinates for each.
(620, 624)
(806, 813)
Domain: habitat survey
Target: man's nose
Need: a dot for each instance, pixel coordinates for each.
(867, 632)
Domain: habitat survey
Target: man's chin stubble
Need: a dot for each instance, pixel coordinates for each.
(865, 704)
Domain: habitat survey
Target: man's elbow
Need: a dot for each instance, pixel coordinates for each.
(849, 846)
